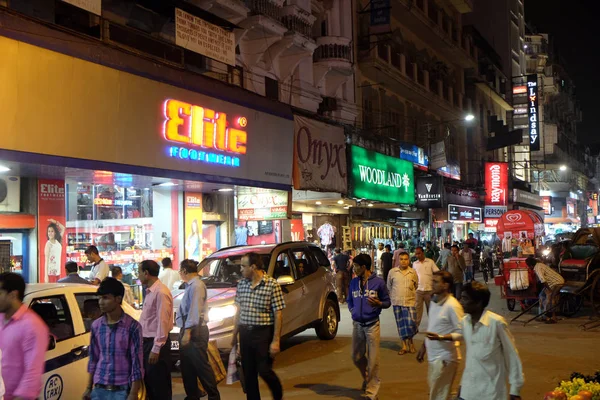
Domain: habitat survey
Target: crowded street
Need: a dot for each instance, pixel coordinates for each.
(313, 369)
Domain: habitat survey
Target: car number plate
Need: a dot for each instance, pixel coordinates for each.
(175, 345)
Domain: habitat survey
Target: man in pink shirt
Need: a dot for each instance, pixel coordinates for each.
(157, 322)
(24, 340)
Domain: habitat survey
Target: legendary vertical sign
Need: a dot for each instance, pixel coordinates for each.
(319, 156)
(532, 93)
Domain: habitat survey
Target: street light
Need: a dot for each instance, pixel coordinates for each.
(469, 117)
(563, 168)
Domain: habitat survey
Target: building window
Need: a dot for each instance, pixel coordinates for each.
(368, 119)
(324, 31)
(271, 88)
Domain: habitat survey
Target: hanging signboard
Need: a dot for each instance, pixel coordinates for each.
(429, 192)
(375, 176)
(458, 213)
(262, 204)
(534, 136)
(380, 16)
(496, 184)
(415, 155)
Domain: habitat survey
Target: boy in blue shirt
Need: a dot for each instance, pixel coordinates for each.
(368, 296)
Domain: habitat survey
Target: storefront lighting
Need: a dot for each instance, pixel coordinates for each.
(79, 183)
(167, 184)
(347, 208)
(225, 190)
(318, 203)
(4, 168)
(340, 201)
(370, 205)
(146, 188)
(563, 168)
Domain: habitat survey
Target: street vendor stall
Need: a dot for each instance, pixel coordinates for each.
(520, 231)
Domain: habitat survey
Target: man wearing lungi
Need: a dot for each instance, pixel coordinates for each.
(402, 284)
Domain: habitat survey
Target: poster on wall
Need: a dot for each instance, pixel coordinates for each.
(193, 222)
(262, 204)
(319, 156)
(51, 229)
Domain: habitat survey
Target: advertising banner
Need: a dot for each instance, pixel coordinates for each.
(297, 230)
(491, 224)
(192, 215)
(456, 195)
(415, 155)
(262, 204)
(458, 213)
(380, 16)
(547, 205)
(375, 176)
(438, 155)
(496, 184)
(195, 34)
(429, 192)
(494, 211)
(319, 156)
(51, 229)
(523, 197)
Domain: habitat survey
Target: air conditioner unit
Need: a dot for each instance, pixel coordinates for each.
(10, 194)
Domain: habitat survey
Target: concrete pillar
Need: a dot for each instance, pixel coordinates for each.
(403, 64)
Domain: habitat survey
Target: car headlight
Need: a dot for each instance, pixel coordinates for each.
(220, 313)
(546, 252)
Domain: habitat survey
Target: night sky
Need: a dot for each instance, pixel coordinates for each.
(574, 26)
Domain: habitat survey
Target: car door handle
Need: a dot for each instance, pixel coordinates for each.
(79, 350)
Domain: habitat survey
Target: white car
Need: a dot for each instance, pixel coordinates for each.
(68, 310)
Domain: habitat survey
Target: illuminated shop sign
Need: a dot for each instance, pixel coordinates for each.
(203, 135)
(415, 155)
(519, 89)
(521, 110)
(110, 202)
(458, 213)
(496, 184)
(534, 137)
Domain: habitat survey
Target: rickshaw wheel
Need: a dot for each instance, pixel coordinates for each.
(570, 304)
(595, 294)
(511, 304)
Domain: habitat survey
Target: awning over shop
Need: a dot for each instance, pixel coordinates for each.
(519, 221)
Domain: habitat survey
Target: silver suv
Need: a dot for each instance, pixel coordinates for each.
(305, 276)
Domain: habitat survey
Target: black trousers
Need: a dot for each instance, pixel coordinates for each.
(195, 365)
(256, 360)
(157, 377)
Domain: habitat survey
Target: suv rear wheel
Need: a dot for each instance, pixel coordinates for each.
(328, 326)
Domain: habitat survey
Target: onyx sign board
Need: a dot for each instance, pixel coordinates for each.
(429, 192)
(532, 93)
(463, 214)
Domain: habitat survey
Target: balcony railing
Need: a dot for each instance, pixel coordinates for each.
(332, 48)
(297, 24)
(265, 7)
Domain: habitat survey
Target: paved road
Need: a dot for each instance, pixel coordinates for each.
(313, 369)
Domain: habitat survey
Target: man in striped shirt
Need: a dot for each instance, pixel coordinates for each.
(116, 364)
(402, 284)
(553, 282)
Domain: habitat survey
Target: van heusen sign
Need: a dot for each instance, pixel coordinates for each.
(124, 115)
(375, 176)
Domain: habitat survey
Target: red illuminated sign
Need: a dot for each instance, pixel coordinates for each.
(491, 222)
(519, 89)
(496, 184)
(547, 205)
(193, 125)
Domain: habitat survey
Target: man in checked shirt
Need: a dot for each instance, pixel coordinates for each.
(260, 301)
(116, 354)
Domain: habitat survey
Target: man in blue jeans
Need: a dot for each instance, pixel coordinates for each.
(116, 364)
(368, 295)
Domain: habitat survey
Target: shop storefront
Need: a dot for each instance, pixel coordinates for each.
(560, 213)
(141, 169)
(460, 215)
(384, 189)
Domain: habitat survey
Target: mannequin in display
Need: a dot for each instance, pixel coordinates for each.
(326, 233)
(241, 235)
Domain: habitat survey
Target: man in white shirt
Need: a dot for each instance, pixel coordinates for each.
(100, 269)
(396, 256)
(402, 284)
(468, 254)
(168, 276)
(492, 358)
(444, 319)
(380, 250)
(553, 282)
(425, 268)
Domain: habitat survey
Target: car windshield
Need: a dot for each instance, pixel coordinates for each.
(219, 272)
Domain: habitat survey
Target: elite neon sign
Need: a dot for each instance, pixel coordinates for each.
(205, 133)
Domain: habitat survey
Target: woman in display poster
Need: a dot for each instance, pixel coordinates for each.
(53, 248)
(192, 245)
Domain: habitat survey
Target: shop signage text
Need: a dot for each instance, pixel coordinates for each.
(376, 176)
(521, 196)
(262, 204)
(455, 195)
(415, 155)
(204, 131)
(534, 137)
(463, 214)
(320, 156)
(496, 184)
(429, 192)
(99, 201)
(491, 222)
(494, 211)
(547, 205)
(519, 89)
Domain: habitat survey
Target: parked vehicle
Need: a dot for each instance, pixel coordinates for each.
(67, 310)
(304, 273)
